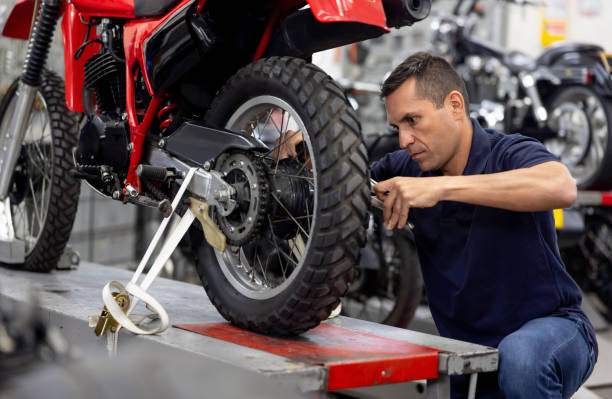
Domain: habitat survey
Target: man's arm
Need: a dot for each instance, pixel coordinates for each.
(545, 186)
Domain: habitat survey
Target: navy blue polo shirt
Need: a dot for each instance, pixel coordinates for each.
(487, 271)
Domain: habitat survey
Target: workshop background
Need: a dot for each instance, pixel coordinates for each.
(113, 234)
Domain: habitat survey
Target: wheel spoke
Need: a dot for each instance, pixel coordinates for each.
(308, 214)
(288, 257)
(263, 270)
(36, 210)
(303, 166)
(309, 179)
(265, 123)
(278, 250)
(41, 153)
(277, 221)
(289, 214)
(26, 236)
(256, 260)
(40, 168)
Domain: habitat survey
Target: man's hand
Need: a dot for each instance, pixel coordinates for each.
(286, 144)
(399, 194)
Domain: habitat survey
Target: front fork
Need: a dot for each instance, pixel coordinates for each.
(29, 81)
(529, 84)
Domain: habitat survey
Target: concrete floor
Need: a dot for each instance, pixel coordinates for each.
(600, 382)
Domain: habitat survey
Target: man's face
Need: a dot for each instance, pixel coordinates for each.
(430, 135)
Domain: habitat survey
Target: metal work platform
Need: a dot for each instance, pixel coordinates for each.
(342, 353)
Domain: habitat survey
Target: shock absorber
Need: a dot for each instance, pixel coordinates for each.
(40, 43)
(166, 115)
(30, 80)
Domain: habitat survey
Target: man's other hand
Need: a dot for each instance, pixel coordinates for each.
(284, 146)
(399, 194)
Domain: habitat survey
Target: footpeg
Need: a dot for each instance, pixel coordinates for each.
(164, 206)
(154, 172)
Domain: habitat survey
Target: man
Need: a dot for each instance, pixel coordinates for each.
(480, 202)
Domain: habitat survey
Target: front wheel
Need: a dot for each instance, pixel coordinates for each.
(296, 234)
(583, 121)
(43, 197)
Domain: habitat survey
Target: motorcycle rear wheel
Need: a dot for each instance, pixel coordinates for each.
(284, 283)
(43, 196)
(584, 145)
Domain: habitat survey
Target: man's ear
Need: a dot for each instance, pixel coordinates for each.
(455, 103)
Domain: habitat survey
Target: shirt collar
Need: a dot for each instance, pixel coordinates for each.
(479, 150)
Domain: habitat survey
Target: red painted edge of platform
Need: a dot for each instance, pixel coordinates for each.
(382, 371)
(354, 359)
(606, 199)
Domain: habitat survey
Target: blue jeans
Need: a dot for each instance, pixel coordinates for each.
(548, 357)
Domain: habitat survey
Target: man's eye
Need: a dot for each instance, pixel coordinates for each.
(411, 120)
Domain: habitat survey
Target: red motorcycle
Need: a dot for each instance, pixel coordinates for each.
(205, 89)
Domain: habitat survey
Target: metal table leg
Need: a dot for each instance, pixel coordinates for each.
(439, 388)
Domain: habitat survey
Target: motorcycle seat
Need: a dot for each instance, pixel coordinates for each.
(478, 47)
(150, 8)
(555, 53)
(517, 62)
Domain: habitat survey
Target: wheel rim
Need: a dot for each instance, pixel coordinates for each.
(266, 266)
(31, 186)
(583, 136)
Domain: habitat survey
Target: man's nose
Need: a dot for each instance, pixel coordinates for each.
(405, 138)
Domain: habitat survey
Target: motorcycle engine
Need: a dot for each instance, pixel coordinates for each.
(104, 138)
(489, 85)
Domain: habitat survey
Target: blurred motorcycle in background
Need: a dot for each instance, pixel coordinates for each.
(562, 97)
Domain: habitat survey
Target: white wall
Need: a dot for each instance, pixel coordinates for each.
(524, 26)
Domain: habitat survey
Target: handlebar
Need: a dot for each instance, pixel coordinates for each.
(457, 8)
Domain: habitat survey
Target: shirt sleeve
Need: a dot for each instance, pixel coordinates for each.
(397, 163)
(523, 152)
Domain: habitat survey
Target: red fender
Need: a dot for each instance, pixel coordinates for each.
(19, 20)
(366, 11)
(73, 33)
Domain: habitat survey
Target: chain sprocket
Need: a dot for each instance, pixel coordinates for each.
(246, 173)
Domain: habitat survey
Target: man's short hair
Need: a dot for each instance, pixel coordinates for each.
(435, 78)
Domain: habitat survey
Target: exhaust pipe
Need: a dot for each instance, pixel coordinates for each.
(405, 12)
(301, 35)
